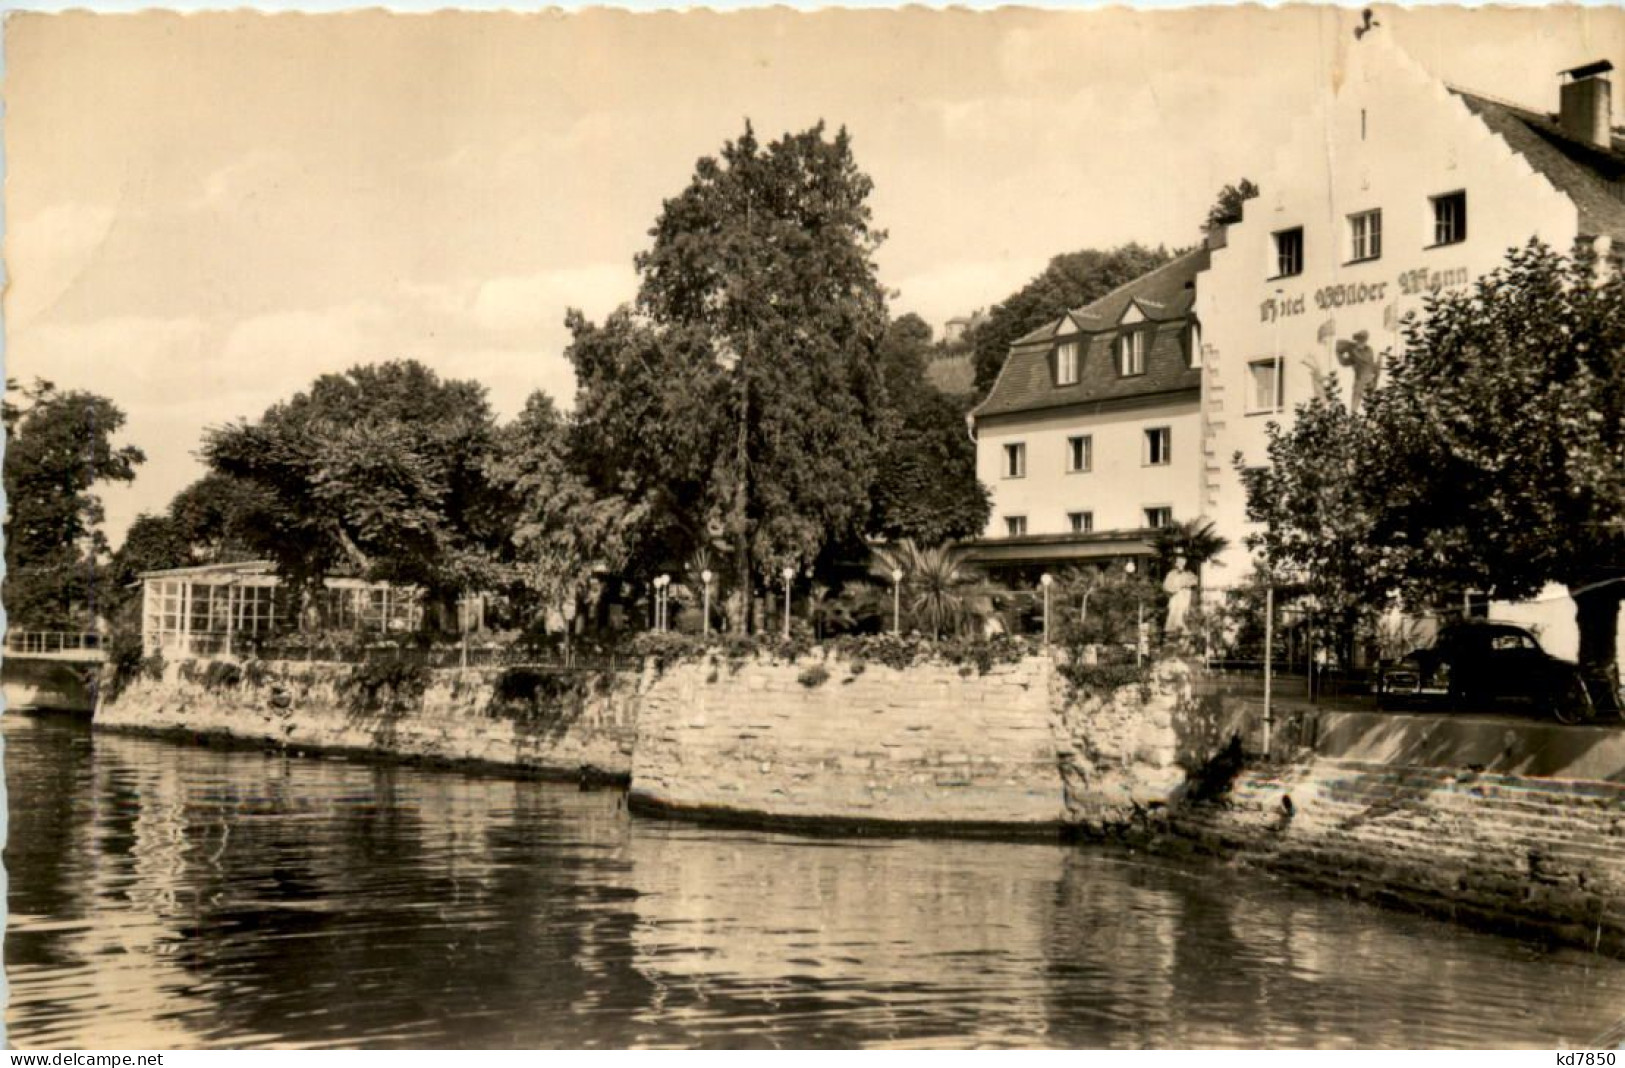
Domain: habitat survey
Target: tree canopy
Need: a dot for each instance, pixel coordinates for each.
(1502, 434)
(751, 359)
(1070, 281)
(1493, 458)
(562, 531)
(59, 448)
(217, 519)
(381, 471)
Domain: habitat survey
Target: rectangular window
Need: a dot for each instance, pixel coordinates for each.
(1265, 388)
(1449, 218)
(1082, 522)
(1131, 353)
(1157, 518)
(1289, 252)
(1015, 460)
(1015, 525)
(1159, 445)
(1066, 364)
(1365, 236)
(1080, 453)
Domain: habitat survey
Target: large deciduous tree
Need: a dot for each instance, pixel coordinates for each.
(1069, 281)
(753, 356)
(59, 447)
(1318, 500)
(1493, 458)
(381, 471)
(1500, 441)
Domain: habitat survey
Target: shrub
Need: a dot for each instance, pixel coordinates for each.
(814, 676)
(1103, 680)
(385, 686)
(125, 661)
(523, 693)
(255, 672)
(222, 675)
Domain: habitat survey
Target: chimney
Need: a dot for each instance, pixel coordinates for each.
(1585, 104)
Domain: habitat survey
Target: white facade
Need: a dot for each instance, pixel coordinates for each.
(1390, 139)
(1121, 483)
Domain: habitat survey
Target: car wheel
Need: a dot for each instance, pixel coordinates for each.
(1572, 703)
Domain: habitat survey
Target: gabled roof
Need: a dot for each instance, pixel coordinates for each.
(1164, 296)
(1591, 176)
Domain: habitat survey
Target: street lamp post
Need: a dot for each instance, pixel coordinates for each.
(1046, 580)
(897, 600)
(789, 577)
(1139, 620)
(705, 581)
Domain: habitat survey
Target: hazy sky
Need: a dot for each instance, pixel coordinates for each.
(205, 212)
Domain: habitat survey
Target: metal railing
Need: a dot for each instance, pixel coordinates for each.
(24, 642)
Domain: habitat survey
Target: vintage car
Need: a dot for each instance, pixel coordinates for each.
(1475, 665)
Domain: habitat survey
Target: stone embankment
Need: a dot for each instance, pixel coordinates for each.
(576, 723)
(1515, 827)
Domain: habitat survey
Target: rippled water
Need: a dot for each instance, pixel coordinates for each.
(170, 896)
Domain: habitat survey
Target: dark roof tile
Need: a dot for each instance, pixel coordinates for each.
(1165, 296)
(1589, 175)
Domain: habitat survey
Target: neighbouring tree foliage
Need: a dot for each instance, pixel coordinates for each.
(925, 484)
(381, 472)
(1319, 500)
(747, 382)
(59, 447)
(1070, 281)
(563, 531)
(217, 519)
(1493, 458)
(1498, 444)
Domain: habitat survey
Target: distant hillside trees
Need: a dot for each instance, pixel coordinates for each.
(1070, 281)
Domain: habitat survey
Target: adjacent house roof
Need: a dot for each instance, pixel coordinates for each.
(1589, 175)
(1160, 301)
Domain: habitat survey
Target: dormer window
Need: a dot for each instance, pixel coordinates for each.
(1131, 353)
(1066, 363)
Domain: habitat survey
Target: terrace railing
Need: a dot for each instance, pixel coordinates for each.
(54, 643)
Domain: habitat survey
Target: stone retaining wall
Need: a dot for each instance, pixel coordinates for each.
(843, 743)
(588, 728)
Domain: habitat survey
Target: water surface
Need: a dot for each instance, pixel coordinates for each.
(168, 896)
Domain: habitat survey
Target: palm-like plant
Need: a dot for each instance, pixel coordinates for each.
(936, 583)
(1194, 539)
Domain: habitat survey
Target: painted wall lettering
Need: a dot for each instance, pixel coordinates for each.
(1281, 308)
(1346, 294)
(1414, 283)
(1353, 293)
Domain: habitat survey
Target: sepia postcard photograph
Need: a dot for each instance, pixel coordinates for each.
(892, 528)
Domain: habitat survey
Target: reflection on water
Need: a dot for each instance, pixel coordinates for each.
(168, 896)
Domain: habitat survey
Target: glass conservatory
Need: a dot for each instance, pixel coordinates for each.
(225, 608)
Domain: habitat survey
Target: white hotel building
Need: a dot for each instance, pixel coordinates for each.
(1091, 437)
(1128, 414)
(1397, 186)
